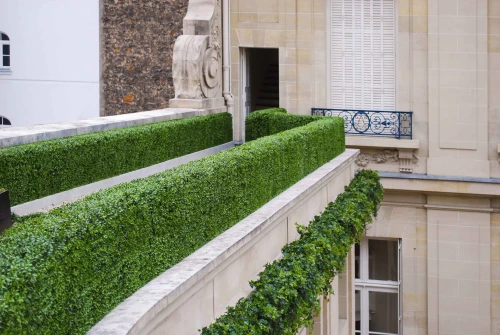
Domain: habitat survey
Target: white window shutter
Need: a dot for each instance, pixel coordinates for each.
(363, 60)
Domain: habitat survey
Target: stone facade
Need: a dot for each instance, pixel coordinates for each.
(137, 40)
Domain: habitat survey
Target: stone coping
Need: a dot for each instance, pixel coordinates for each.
(137, 311)
(381, 142)
(418, 176)
(59, 199)
(10, 136)
(440, 184)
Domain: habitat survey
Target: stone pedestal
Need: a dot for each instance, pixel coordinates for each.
(215, 105)
(197, 59)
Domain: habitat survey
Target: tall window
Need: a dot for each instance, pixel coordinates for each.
(5, 53)
(377, 284)
(363, 57)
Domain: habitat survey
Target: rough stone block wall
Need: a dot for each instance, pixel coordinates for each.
(136, 53)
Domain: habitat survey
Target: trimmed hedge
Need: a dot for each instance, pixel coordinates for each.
(62, 272)
(285, 297)
(33, 171)
(272, 121)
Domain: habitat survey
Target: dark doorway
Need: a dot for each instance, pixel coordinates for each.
(262, 82)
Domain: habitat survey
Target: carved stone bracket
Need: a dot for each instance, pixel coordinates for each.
(197, 59)
(405, 157)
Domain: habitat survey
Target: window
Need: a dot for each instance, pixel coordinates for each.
(5, 53)
(4, 121)
(363, 54)
(377, 285)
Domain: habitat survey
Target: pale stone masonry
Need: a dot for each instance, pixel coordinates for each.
(448, 74)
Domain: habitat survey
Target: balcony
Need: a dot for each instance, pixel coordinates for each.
(374, 123)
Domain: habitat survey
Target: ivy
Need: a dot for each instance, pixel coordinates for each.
(63, 271)
(36, 170)
(285, 297)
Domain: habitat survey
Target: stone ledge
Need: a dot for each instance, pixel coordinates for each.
(382, 143)
(135, 313)
(22, 135)
(435, 186)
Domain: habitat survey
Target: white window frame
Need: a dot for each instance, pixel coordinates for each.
(365, 285)
(3, 68)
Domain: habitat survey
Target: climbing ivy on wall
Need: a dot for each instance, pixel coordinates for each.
(285, 297)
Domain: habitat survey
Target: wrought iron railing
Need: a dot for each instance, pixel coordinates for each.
(367, 122)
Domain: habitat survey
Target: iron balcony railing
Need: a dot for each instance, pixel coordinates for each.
(367, 122)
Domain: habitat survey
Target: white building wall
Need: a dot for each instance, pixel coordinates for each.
(54, 61)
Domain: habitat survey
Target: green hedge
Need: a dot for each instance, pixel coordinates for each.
(36, 170)
(272, 121)
(285, 297)
(62, 272)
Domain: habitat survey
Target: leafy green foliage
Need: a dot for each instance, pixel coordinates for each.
(63, 271)
(36, 170)
(285, 297)
(272, 121)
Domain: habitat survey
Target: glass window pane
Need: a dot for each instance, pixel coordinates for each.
(357, 298)
(357, 262)
(6, 60)
(5, 37)
(6, 50)
(383, 260)
(383, 312)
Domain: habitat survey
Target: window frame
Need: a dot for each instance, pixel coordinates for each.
(365, 285)
(3, 121)
(3, 68)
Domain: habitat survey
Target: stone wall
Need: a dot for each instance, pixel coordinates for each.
(450, 254)
(137, 39)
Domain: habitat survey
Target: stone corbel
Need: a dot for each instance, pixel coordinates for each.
(197, 59)
(406, 160)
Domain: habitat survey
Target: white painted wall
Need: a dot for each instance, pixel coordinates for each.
(54, 61)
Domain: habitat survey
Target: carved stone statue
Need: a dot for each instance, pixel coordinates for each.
(197, 59)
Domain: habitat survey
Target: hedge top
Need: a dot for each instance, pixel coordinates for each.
(272, 121)
(36, 170)
(63, 271)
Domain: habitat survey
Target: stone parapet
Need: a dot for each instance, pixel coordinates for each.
(196, 291)
(22, 135)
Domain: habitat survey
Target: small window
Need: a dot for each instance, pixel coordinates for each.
(5, 53)
(4, 121)
(377, 287)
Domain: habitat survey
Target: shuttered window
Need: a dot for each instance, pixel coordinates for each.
(363, 69)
